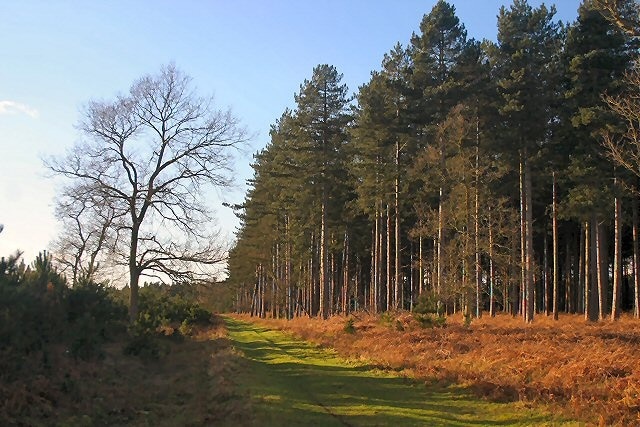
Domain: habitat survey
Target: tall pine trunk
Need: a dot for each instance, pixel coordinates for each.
(397, 278)
(529, 241)
(602, 269)
(617, 260)
(492, 304)
(583, 270)
(390, 301)
(591, 271)
(477, 269)
(556, 271)
(373, 285)
(523, 241)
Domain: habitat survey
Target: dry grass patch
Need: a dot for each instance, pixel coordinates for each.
(590, 371)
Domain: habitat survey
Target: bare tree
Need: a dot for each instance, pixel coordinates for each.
(151, 154)
(87, 239)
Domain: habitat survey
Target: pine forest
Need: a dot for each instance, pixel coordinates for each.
(466, 176)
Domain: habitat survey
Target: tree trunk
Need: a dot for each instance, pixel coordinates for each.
(134, 278)
(636, 260)
(390, 302)
(556, 271)
(345, 275)
(529, 244)
(332, 281)
(581, 291)
(397, 278)
(314, 279)
(617, 260)
(492, 304)
(324, 260)
(545, 276)
(477, 269)
(440, 242)
(420, 266)
(134, 273)
(568, 280)
(373, 287)
(287, 270)
(523, 241)
(412, 281)
(379, 261)
(591, 271)
(602, 269)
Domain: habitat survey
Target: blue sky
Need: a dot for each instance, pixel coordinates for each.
(251, 55)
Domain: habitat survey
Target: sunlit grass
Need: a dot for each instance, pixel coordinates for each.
(587, 371)
(296, 383)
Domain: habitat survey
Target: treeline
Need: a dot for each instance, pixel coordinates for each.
(472, 173)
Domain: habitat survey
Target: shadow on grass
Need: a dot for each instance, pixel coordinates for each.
(295, 383)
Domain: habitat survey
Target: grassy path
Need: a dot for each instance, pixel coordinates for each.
(295, 383)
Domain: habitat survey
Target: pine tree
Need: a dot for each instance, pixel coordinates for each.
(435, 55)
(528, 40)
(598, 55)
(322, 118)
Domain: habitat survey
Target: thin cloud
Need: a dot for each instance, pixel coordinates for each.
(11, 107)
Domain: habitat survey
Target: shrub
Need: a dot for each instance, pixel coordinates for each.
(37, 308)
(349, 326)
(430, 320)
(93, 316)
(165, 305)
(428, 312)
(386, 318)
(143, 344)
(428, 304)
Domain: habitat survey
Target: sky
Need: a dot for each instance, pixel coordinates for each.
(251, 55)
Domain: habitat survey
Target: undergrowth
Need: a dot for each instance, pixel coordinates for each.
(53, 333)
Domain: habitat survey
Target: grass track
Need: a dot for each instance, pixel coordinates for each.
(292, 383)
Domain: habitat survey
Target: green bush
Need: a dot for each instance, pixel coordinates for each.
(94, 299)
(428, 312)
(349, 326)
(37, 309)
(428, 304)
(387, 318)
(143, 344)
(430, 320)
(165, 305)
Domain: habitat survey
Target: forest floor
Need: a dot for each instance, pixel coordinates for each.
(294, 383)
(584, 371)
